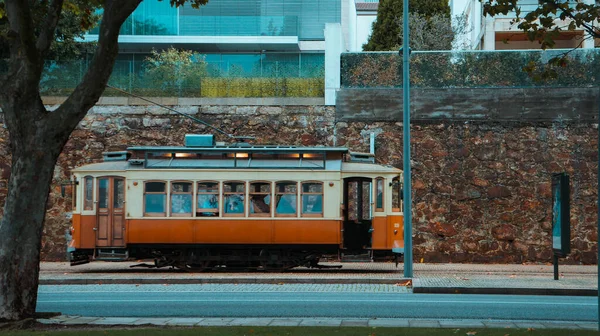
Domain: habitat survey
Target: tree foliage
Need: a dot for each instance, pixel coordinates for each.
(546, 22)
(385, 33)
(29, 30)
(173, 68)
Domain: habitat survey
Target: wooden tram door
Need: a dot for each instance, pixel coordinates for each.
(110, 221)
(357, 213)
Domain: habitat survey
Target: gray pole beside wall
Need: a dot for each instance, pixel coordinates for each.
(407, 206)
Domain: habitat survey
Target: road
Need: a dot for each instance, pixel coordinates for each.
(304, 300)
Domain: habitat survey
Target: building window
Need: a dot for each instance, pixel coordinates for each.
(260, 199)
(88, 193)
(379, 195)
(396, 195)
(312, 199)
(208, 199)
(286, 199)
(233, 198)
(155, 199)
(181, 199)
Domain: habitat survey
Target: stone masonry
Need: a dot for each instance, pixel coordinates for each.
(481, 191)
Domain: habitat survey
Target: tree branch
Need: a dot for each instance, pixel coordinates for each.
(21, 34)
(46, 36)
(87, 93)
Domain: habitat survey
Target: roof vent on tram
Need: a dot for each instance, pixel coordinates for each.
(116, 156)
(360, 157)
(199, 140)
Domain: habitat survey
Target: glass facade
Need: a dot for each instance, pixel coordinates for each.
(303, 18)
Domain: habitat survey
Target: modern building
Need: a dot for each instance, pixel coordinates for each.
(499, 32)
(249, 34)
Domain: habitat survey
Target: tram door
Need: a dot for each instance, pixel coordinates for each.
(357, 213)
(110, 222)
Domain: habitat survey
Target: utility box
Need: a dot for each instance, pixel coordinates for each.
(561, 215)
(199, 140)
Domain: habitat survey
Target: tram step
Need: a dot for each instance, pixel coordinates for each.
(112, 254)
(357, 258)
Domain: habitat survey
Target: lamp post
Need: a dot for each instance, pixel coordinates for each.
(407, 202)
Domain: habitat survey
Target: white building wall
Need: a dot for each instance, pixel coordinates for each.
(352, 28)
(364, 26)
(334, 45)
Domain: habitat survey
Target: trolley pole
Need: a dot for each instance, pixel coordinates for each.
(407, 202)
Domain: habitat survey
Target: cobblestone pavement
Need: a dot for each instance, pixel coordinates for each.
(329, 322)
(427, 278)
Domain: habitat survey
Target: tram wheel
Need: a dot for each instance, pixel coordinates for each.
(199, 262)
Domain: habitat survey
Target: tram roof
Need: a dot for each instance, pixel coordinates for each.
(237, 148)
(345, 167)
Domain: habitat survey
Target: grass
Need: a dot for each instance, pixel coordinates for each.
(302, 331)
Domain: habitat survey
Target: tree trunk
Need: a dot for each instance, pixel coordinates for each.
(34, 156)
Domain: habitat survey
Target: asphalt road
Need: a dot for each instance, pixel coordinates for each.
(346, 301)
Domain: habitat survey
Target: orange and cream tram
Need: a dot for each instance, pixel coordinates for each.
(204, 205)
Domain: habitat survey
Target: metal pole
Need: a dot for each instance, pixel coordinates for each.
(598, 228)
(408, 255)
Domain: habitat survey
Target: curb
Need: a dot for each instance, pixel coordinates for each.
(506, 291)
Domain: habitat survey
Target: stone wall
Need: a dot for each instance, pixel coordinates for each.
(481, 190)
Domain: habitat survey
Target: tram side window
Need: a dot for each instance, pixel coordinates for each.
(379, 194)
(181, 199)
(88, 191)
(312, 199)
(286, 199)
(233, 198)
(155, 199)
(260, 199)
(208, 199)
(396, 195)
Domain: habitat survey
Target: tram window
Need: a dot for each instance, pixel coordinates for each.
(119, 194)
(286, 199)
(208, 199)
(312, 199)
(379, 194)
(88, 186)
(181, 199)
(260, 199)
(233, 198)
(155, 199)
(74, 195)
(396, 194)
(103, 193)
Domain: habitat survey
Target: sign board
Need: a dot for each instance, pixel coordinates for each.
(561, 222)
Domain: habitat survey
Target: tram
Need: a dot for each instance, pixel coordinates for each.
(206, 204)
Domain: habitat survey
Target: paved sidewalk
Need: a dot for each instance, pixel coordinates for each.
(427, 278)
(312, 322)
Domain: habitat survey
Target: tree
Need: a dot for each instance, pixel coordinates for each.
(386, 31)
(36, 135)
(175, 69)
(541, 24)
(437, 32)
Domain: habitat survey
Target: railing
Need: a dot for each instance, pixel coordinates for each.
(471, 69)
(203, 79)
